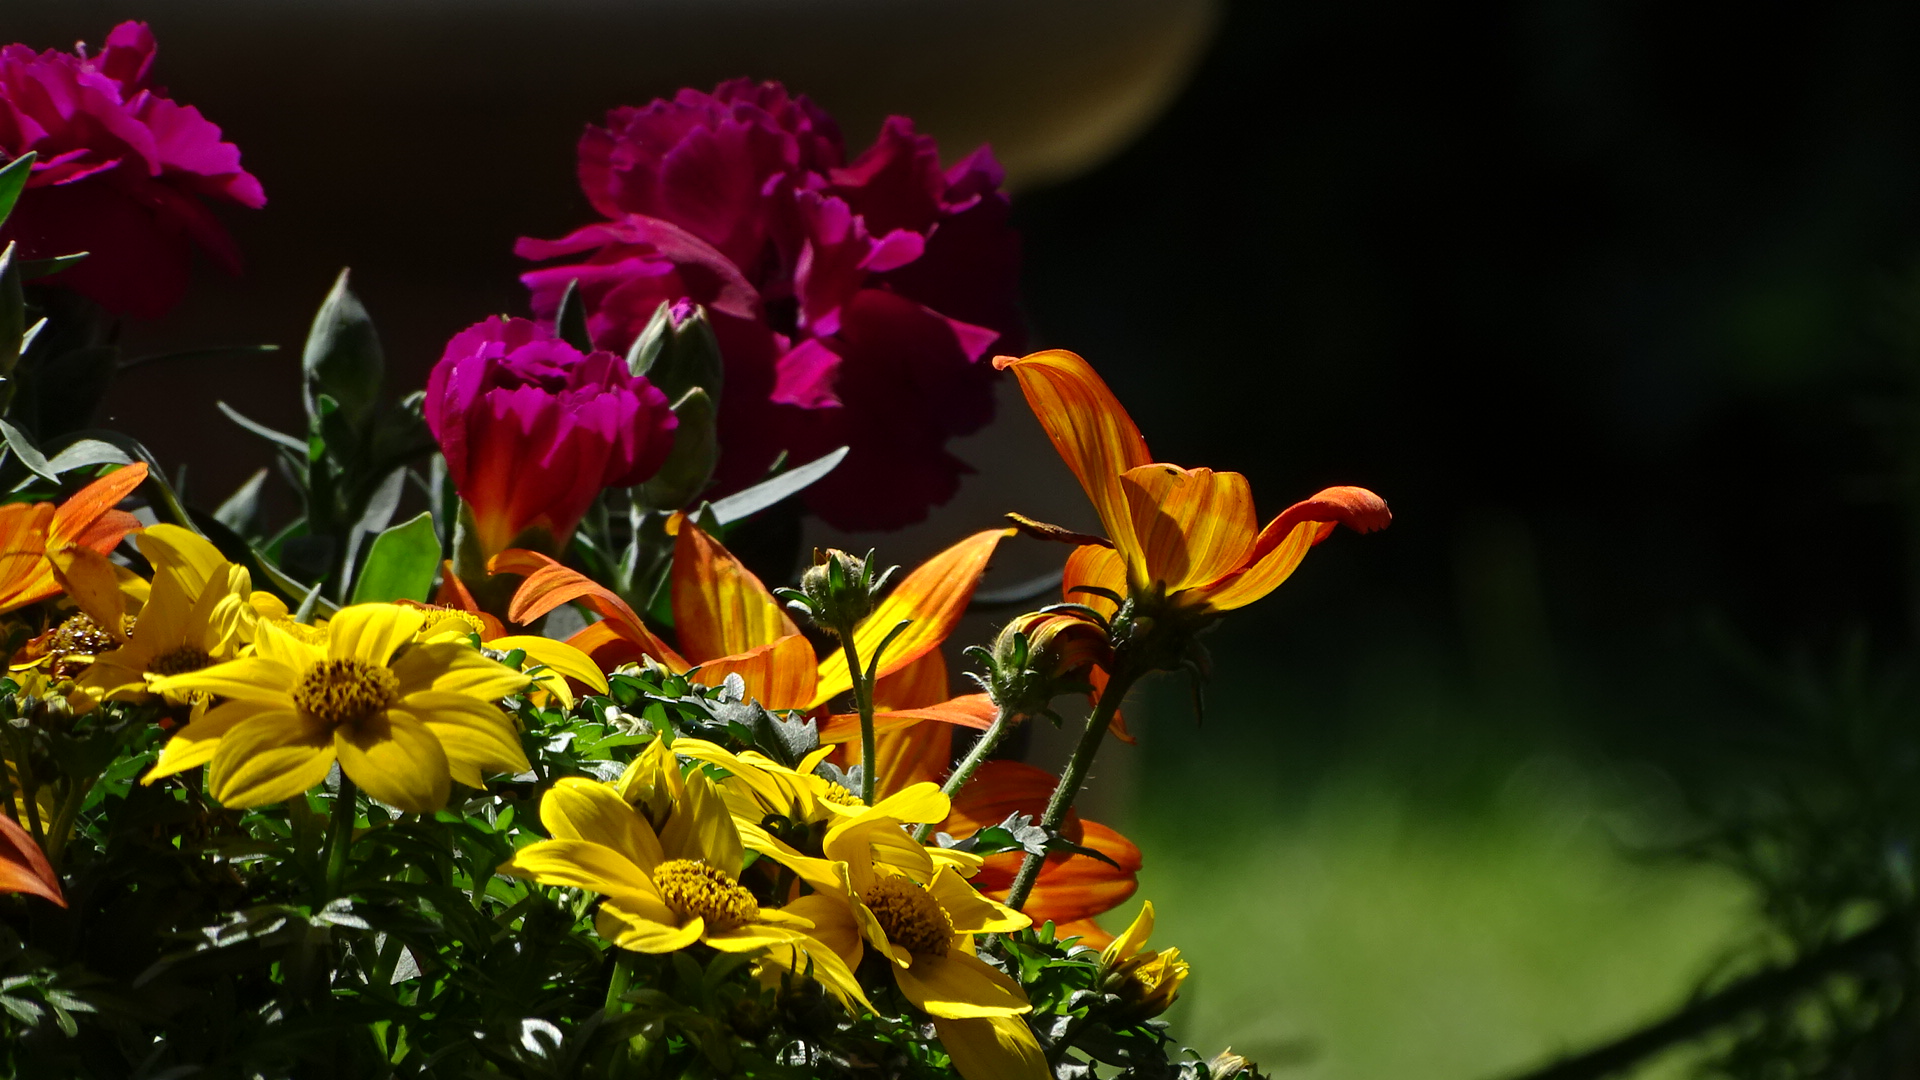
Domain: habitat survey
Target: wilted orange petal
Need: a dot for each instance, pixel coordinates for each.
(719, 607)
(1285, 540)
(779, 676)
(1088, 426)
(1191, 525)
(23, 868)
(549, 584)
(76, 516)
(933, 598)
(1117, 727)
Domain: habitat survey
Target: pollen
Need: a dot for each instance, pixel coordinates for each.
(340, 692)
(910, 915)
(179, 661)
(75, 643)
(695, 888)
(472, 621)
(839, 796)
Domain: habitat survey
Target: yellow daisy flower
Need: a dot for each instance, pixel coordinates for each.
(403, 719)
(198, 613)
(1146, 980)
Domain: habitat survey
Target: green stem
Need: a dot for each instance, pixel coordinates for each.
(863, 704)
(340, 834)
(62, 828)
(621, 980)
(983, 749)
(1068, 789)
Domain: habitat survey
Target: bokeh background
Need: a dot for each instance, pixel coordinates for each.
(1603, 297)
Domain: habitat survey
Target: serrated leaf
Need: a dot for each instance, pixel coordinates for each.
(743, 504)
(401, 563)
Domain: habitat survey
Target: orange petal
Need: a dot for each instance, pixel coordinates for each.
(91, 503)
(1285, 540)
(1094, 567)
(911, 755)
(1069, 887)
(25, 575)
(1088, 426)
(918, 685)
(23, 867)
(972, 711)
(1117, 727)
(549, 584)
(1078, 887)
(998, 789)
(1089, 932)
(88, 578)
(453, 593)
(779, 676)
(606, 645)
(1192, 526)
(719, 607)
(933, 598)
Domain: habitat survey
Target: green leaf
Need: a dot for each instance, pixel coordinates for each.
(570, 322)
(83, 453)
(39, 268)
(242, 508)
(342, 358)
(696, 449)
(743, 504)
(278, 438)
(401, 563)
(29, 454)
(13, 318)
(13, 181)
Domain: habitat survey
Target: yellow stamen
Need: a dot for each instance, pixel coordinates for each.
(340, 692)
(695, 888)
(911, 917)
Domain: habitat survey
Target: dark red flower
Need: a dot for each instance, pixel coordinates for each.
(853, 303)
(121, 172)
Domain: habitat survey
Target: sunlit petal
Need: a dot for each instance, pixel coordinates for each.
(719, 607)
(270, 758)
(959, 986)
(395, 759)
(1088, 426)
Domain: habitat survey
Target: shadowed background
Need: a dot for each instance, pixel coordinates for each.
(1594, 294)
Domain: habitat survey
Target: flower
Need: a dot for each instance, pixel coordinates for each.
(23, 867)
(120, 174)
(1072, 888)
(402, 719)
(199, 613)
(669, 867)
(1146, 980)
(556, 661)
(1185, 537)
(853, 303)
(533, 430)
(31, 534)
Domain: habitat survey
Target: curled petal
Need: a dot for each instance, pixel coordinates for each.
(1284, 543)
(77, 520)
(1088, 426)
(549, 584)
(1191, 526)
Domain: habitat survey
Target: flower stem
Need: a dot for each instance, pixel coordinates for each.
(340, 834)
(61, 830)
(863, 704)
(983, 749)
(621, 980)
(1068, 789)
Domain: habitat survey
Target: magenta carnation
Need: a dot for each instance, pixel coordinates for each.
(120, 173)
(853, 303)
(533, 429)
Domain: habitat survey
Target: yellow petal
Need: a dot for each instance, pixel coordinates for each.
(1088, 426)
(931, 599)
(917, 803)
(89, 579)
(270, 758)
(180, 553)
(395, 759)
(455, 668)
(581, 864)
(719, 607)
(250, 678)
(972, 913)
(807, 956)
(196, 743)
(641, 934)
(750, 938)
(833, 924)
(273, 643)
(1191, 526)
(372, 632)
(1129, 943)
(472, 733)
(580, 809)
(993, 1048)
(959, 986)
(558, 656)
(702, 828)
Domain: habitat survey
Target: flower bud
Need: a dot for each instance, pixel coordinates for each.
(1041, 655)
(840, 589)
(1146, 981)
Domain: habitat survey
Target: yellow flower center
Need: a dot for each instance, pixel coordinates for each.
(76, 641)
(839, 796)
(910, 915)
(442, 611)
(179, 661)
(695, 888)
(345, 691)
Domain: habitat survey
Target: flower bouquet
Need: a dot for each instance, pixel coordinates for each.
(497, 759)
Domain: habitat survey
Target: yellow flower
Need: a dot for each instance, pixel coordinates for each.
(1146, 980)
(670, 888)
(200, 612)
(403, 719)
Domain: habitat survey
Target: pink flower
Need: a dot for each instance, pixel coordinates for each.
(533, 429)
(853, 303)
(120, 173)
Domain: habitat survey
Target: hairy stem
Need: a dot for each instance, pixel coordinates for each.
(983, 749)
(1068, 789)
(863, 704)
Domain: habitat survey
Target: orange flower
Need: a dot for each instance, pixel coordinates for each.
(1189, 535)
(1071, 889)
(33, 535)
(728, 622)
(23, 868)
